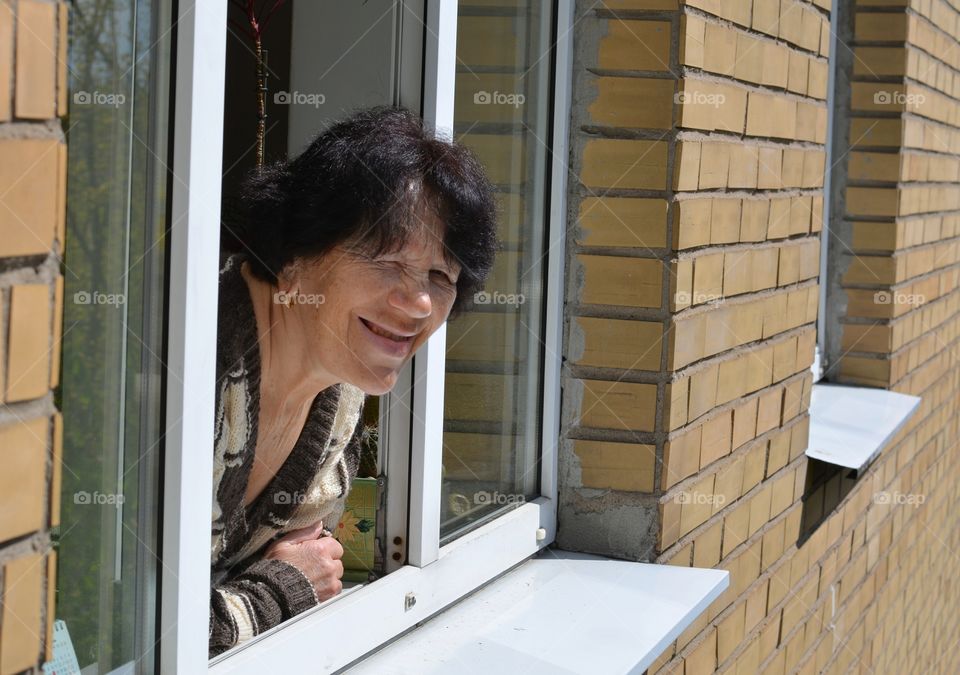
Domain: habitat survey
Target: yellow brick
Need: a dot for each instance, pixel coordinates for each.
(676, 402)
(744, 164)
(791, 168)
(778, 225)
(720, 49)
(612, 343)
(28, 352)
(744, 423)
(776, 65)
(766, 16)
(616, 466)
(681, 457)
(22, 588)
(715, 443)
(768, 412)
(760, 373)
(6, 39)
(753, 220)
(753, 464)
(691, 43)
(800, 216)
(28, 183)
(772, 546)
(698, 104)
(714, 165)
(813, 161)
(810, 29)
(877, 61)
(725, 221)
(782, 494)
(706, 547)
(22, 481)
(756, 609)
(765, 264)
(730, 632)
(789, 266)
(635, 45)
(632, 282)
(681, 284)
(817, 79)
(735, 527)
(769, 168)
(779, 453)
(880, 166)
(760, 509)
(749, 64)
(692, 219)
(730, 109)
(669, 523)
(686, 171)
(621, 163)
(737, 272)
(732, 379)
(728, 483)
(887, 27)
(707, 278)
(703, 391)
(618, 405)
(623, 221)
(631, 102)
(36, 60)
(698, 508)
(703, 658)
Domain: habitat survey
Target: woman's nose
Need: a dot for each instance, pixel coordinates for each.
(412, 299)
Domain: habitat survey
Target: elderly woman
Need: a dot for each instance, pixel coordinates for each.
(349, 257)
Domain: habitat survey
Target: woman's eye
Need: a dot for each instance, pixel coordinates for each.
(442, 277)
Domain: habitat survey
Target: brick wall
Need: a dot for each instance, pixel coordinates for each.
(699, 134)
(32, 190)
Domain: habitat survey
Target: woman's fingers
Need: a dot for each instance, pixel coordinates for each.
(303, 534)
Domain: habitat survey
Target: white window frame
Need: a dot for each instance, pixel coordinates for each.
(434, 576)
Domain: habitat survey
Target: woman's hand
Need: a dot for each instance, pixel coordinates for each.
(318, 558)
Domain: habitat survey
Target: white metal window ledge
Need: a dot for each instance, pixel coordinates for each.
(559, 612)
(850, 425)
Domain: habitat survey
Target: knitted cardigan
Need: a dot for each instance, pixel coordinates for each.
(250, 594)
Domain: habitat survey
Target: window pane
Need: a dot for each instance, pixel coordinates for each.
(492, 407)
(119, 53)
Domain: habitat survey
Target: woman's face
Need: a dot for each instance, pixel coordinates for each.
(364, 317)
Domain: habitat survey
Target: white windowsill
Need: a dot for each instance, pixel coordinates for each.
(559, 612)
(850, 425)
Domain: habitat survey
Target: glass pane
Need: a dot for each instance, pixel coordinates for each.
(119, 54)
(492, 407)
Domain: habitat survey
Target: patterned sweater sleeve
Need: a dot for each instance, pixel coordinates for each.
(267, 592)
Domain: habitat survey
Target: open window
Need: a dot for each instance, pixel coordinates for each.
(464, 475)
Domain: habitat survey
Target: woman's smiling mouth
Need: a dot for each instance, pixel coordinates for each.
(389, 342)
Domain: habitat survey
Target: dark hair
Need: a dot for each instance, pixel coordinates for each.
(365, 181)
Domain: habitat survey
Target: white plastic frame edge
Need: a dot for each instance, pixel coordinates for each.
(485, 553)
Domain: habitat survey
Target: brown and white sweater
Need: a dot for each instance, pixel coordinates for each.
(249, 594)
